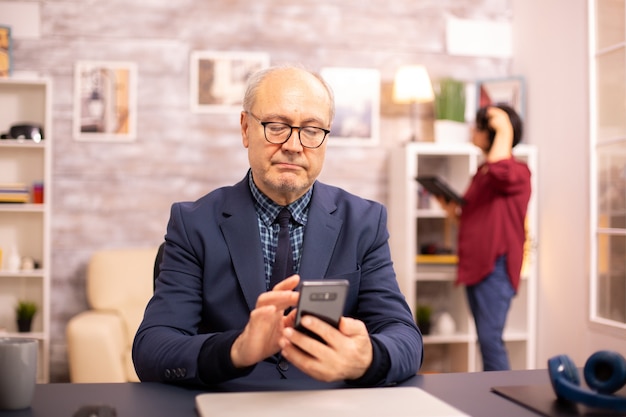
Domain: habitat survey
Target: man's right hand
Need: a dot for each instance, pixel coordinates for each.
(260, 337)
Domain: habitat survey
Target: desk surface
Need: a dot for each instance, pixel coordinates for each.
(470, 392)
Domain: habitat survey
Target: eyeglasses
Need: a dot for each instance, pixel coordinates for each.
(278, 133)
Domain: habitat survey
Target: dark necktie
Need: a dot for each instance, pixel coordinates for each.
(283, 263)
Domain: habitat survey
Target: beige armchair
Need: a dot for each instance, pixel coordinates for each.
(99, 340)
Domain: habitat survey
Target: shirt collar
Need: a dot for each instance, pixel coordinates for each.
(268, 210)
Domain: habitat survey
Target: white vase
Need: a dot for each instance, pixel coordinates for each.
(449, 131)
(13, 260)
(445, 324)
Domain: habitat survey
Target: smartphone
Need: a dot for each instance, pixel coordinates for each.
(323, 299)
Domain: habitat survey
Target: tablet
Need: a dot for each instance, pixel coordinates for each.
(438, 187)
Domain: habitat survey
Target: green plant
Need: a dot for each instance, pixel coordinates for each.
(450, 100)
(25, 310)
(423, 314)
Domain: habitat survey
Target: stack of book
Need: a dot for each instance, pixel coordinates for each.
(14, 193)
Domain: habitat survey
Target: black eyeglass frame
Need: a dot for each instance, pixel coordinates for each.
(264, 124)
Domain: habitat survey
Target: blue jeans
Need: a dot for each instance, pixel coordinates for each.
(489, 301)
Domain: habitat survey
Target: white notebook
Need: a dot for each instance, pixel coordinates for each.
(362, 402)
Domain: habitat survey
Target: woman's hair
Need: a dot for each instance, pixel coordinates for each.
(482, 123)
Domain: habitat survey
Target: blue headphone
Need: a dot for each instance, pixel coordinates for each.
(605, 373)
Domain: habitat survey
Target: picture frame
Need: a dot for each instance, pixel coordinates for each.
(357, 105)
(105, 101)
(5, 51)
(218, 79)
(508, 90)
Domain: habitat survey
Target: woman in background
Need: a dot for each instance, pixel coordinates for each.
(492, 229)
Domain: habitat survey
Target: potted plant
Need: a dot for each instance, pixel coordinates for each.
(24, 312)
(450, 111)
(423, 316)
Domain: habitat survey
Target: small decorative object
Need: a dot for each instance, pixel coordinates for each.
(28, 264)
(423, 316)
(24, 312)
(26, 131)
(38, 192)
(13, 260)
(445, 324)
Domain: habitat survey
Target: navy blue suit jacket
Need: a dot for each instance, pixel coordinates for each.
(213, 272)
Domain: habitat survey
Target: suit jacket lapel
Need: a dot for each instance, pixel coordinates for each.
(246, 253)
(321, 234)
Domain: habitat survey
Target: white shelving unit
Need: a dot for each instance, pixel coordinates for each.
(415, 221)
(26, 226)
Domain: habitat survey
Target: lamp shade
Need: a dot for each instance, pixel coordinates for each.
(412, 84)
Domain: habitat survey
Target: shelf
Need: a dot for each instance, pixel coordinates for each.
(22, 143)
(30, 335)
(37, 273)
(430, 279)
(514, 336)
(435, 339)
(431, 213)
(26, 227)
(435, 276)
(435, 272)
(27, 82)
(22, 207)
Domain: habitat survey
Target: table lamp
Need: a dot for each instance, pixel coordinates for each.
(412, 86)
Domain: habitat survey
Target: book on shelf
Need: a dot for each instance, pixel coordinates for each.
(14, 193)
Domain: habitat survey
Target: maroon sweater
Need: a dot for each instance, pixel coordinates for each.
(493, 221)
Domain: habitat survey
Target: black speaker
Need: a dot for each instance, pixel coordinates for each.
(605, 373)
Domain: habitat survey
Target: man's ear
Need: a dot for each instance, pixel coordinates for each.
(243, 121)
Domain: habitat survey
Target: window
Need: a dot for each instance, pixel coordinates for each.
(607, 71)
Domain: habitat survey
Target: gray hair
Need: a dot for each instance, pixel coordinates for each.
(255, 80)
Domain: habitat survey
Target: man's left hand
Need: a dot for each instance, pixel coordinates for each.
(346, 355)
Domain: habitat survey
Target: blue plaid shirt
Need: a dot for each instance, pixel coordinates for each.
(267, 211)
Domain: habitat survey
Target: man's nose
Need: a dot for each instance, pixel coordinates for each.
(293, 143)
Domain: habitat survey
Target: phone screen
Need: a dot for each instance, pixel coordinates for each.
(324, 299)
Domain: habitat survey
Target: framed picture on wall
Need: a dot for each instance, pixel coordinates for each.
(502, 90)
(357, 105)
(5, 51)
(218, 79)
(105, 102)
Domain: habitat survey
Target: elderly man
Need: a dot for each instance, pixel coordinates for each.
(214, 316)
